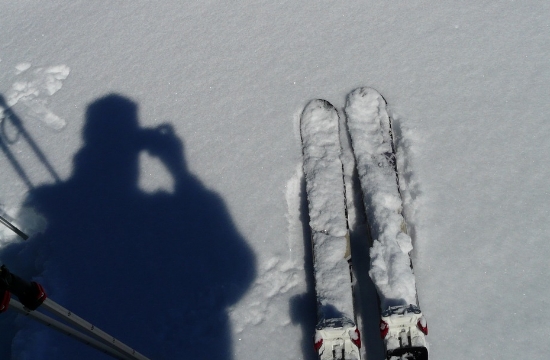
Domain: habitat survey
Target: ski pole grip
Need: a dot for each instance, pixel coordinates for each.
(31, 294)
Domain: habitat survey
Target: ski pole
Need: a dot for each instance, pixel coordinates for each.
(85, 326)
(32, 295)
(13, 228)
(67, 330)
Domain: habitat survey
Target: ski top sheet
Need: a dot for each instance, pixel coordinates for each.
(336, 335)
(369, 126)
(402, 325)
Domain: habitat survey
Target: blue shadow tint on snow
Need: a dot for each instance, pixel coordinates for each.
(9, 120)
(158, 271)
(303, 306)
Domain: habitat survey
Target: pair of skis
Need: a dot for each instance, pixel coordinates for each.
(403, 327)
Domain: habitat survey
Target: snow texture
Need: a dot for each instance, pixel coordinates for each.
(33, 89)
(326, 201)
(369, 127)
(323, 168)
(468, 85)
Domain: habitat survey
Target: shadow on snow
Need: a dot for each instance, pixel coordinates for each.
(303, 306)
(157, 270)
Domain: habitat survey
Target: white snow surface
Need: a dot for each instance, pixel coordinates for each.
(467, 84)
(369, 126)
(327, 212)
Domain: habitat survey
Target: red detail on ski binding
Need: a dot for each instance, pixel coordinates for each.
(41, 294)
(356, 339)
(423, 325)
(318, 344)
(384, 328)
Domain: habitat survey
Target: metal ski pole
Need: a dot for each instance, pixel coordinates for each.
(85, 326)
(13, 228)
(67, 330)
(32, 295)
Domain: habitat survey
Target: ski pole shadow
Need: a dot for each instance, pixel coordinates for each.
(10, 121)
(303, 306)
(158, 270)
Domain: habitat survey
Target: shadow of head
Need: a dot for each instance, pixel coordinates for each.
(111, 134)
(111, 121)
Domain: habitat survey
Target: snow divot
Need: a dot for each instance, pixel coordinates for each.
(275, 278)
(33, 89)
(22, 67)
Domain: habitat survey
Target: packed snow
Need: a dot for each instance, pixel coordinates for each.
(182, 228)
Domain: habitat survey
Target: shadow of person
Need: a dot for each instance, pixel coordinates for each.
(157, 270)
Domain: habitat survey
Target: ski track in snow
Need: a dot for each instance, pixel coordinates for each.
(33, 89)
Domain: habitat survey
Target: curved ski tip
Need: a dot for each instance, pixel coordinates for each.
(319, 103)
(318, 107)
(365, 92)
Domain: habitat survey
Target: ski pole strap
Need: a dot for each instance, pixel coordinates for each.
(31, 294)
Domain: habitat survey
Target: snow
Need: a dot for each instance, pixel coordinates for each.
(34, 90)
(467, 84)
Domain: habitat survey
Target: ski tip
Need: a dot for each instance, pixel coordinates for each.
(365, 92)
(318, 104)
(318, 109)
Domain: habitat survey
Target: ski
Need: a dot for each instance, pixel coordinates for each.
(402, 324)
(336, 336)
